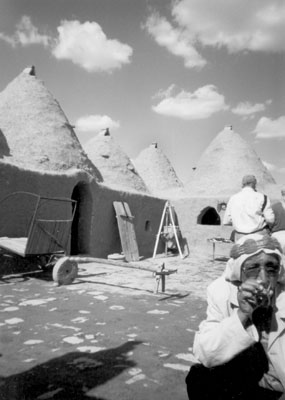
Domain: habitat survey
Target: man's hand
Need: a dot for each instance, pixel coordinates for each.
(247, 299)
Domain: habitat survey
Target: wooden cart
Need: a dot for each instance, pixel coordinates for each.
(40, 231)
(31, 233)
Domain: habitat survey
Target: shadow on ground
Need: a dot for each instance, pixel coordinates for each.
(70, 376)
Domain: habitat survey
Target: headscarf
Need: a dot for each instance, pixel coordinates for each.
(246, 247)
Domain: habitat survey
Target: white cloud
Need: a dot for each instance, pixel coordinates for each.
(8, 39)
(267, 128)
(95, 123)
(196, 24)
(26, 34)
(255, 25)
(200, 104)
(174, 40)
(84, 44)
(87, 46)
(246, 108)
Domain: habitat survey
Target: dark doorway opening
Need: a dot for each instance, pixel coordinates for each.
(209, 216)
(81, 225)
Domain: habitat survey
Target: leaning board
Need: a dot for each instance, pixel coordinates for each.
(126, 230)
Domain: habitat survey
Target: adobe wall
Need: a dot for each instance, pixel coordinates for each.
(16, 212)
(147, 212)
(96, 231)
(197, 235)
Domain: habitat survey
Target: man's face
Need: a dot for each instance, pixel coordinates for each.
(262, 267)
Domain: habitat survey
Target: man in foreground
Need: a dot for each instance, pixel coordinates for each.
(249, 211)
(240, 346)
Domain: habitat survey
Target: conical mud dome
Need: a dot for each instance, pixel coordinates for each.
(114, 165)
(156, 170)
(223, 164)
(37, 133)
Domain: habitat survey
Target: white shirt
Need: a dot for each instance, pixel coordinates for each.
(221, 335)
(244, 211)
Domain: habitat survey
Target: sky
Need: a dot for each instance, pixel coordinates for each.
(171, 72)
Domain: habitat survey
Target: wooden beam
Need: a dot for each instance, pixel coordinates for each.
(159, 270)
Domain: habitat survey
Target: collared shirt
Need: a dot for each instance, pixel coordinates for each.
(246, 211)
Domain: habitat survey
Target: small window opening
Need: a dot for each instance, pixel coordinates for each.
(147, 226)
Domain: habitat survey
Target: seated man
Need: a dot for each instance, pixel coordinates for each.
(241, 344)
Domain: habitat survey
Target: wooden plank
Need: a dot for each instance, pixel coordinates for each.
(127, 210)
(126, 231)
(159, 270)
(122, 222)
(14, 245)
(131, 235)
(46, 237)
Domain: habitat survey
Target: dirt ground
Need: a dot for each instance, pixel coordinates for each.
(106, 336)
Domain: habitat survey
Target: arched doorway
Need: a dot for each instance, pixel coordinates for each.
(209, 216)
(81, 225)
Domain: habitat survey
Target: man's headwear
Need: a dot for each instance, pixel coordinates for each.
(248, 180)
(246, 247)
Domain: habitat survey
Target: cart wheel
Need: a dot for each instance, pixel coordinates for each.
(65, 271)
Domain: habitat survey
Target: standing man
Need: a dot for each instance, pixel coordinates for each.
(249, 211)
